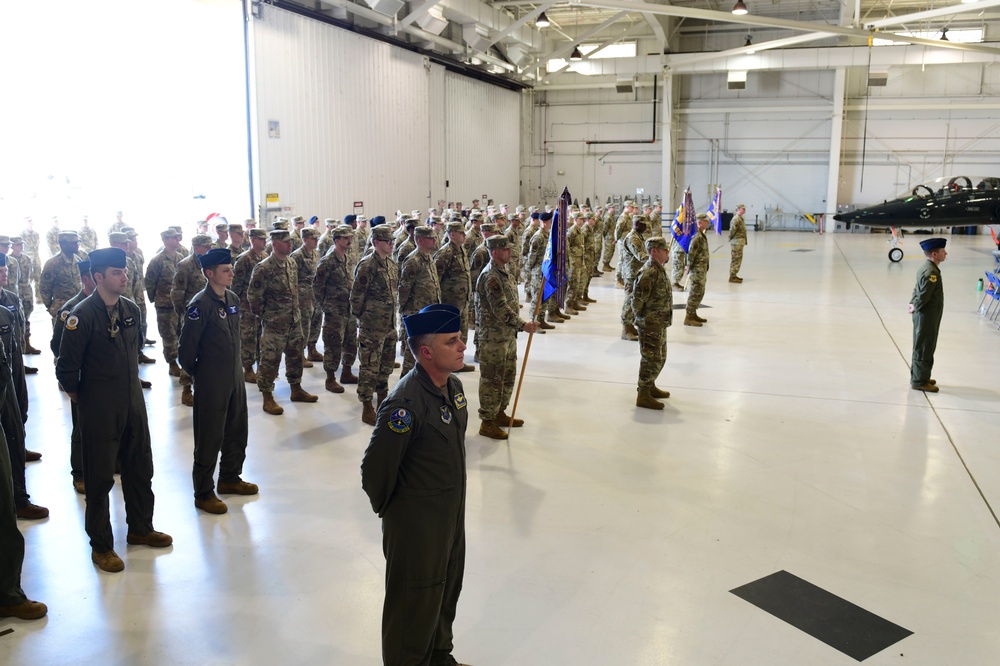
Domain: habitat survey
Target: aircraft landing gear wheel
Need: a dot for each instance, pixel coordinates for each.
(895, 255)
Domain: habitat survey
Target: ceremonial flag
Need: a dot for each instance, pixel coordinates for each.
(714, 211)
(553, 270)
(684, 225)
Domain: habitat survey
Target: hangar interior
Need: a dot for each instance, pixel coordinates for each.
(600, 534)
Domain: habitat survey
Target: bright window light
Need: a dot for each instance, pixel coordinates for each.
(962, 35)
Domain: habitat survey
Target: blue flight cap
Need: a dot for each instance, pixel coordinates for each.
(314, 219)
(106, 257)
(933, 244)
(83, 266)
(3, 260)
(437, 318)
(536, 215)
(216, 256)
(377, 220)
(545, 216)
(350, 219)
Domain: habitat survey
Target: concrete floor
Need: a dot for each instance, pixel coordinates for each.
(599, 534)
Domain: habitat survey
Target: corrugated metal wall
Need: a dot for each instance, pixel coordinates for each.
(361, 120)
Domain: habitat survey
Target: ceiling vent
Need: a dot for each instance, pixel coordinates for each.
(386, 7)
(737, 80)
(878, 79)
(625, 85)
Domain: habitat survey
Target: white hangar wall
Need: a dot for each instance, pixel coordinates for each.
(342, 118)
(769, 145)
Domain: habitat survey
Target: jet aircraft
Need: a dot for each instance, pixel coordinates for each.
(958, 201)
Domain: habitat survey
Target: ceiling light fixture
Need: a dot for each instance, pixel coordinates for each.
(740, 8)
(944, 34)
(542, 21)
(576, 55)
(749, 45)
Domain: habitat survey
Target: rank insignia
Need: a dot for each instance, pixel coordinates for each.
(194, 314)
(5, 328)
(445, 414)
(222, 313)
(72, 322)
(400, 421)
(129, 321)
(460, 400)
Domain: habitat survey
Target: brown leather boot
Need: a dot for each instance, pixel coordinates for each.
(659, 393)
(306, 363)
(270, 406)
(503, 420)
(701, 319)
(380, 397)
(348, 377)
(677, 286)
(491, 430)
(368, 413)
(588, 299)
(735, 279)
(691, 320)
(571, 310)
(314, 355)
(607, 267)
(331, 383)
(187, 397)
(28, 349)
(249, 376)
(629, 334)
(579, 306)
(175, 370)
(299, 395)
(645, 399)
(544, 325)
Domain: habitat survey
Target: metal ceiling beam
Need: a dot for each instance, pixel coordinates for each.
(418, 12)
(803, 26)
(568, 48)
(604, 45)
(530, 16)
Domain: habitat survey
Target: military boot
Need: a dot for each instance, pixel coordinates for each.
(306, 363)
(249, 376)
(629, 333)
(331, 382)
(299, 395)
(492, 430)
(588, 299)
(544, 325)
(28, 349)
(579, 305)
(380, 397)
(175, 370)
(735, 279)
(691, 320)
(570, 309)
(187, 397)
(659, 393)
(619, 283)
(368, 413)
(645, 399)
(348, 377)
(559, 315)
(607, 267)
(699, 318)
(270, 406)
(677, 286)
(504, 420)
(313, 354)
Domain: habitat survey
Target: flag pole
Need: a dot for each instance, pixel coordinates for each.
(524, 363)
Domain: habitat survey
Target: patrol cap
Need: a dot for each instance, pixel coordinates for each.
(16, 240)
(236, 228)
(702, 216)
(4, 240)
(360, 218)
(258, 233)
(132, 233)
(423, 232)
(280, 224)
(343, 231)
(455, 226)
(309, 232)
(498, 242)
(382, 234)
(83, 266)
(176, 227)
(489, 228)
(350, 219)
(279, 234)
(476, 216)
(437, 318)
(106, 257)
(222, 226)
(658, 242)
(168, 233)
(330, 222)
(298, 219)
(743, 206)
(532, 209)
(215, 256)
(411, 224)
(117, 237)
(68, 236)
(629, 202)
(201, 240)
(933, 244)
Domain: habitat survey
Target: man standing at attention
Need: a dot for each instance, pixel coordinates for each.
(414, 473)
(209, 351)
(419, 284)
(926, 307)
(653, 310)
(98, 368)
(159, 282)
(698, 270)
(737, 239)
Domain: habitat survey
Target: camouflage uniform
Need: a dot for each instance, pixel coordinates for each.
(60, 282)
(403, 250)
(737, 239)
(536, 255)
(632, 259)
(88, 239)
(332, 291)
(249, 322)
(273, 295)
(608, 236)
(419, 286)
(52, 239)
(159, 283)
(498, 325)
(622, 227)
(456, 282)
(514, 234)
(32, 248)
(575, 248)
(139, 263)
(306, 262)
(529, 233)
(373, 303)
(653, 311)
(24, 290)
(698, 268)
(678, 262)
(473, 238)
(188, 281)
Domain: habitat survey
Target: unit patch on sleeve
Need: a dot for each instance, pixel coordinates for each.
(194, 314)
(400, 421)
(72, 322)
(460, 400)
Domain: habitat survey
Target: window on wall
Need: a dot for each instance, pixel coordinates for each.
(123, 105)
(617, 50)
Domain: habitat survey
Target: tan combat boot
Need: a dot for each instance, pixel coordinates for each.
(588, 299)
(313, 354)
(735, 279)
(701, 319)
(629, 333)
(331, 382)
(380, 397)
(348, 377)
(544, 325)
(677, 286)
(270, 406)
(691, 320)
(306, 363)
(504, 420)
(249, 376)
(492, 430)
(299, 395)
(570, 310)
(659, 393)
(175, 370)
(28, 349)
(368, 413)
(645, 399)
(579, 305)
(187, 397)
(607, 267)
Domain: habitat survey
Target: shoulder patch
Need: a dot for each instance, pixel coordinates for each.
(194, 314)
(400, 421)
(932, 278)
(460, 401)
(72, 322)
(256, 284)
(63, 315)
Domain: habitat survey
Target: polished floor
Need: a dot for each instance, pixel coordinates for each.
(600, 534)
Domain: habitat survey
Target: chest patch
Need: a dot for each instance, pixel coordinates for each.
(233, 309)
(194, 314)
(932, 278)
(72, 322)
(445, 414)
(222, 313)
(460, 401)
(400, 421)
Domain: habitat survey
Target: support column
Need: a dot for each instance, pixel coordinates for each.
(667, 133)
(836, 141)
